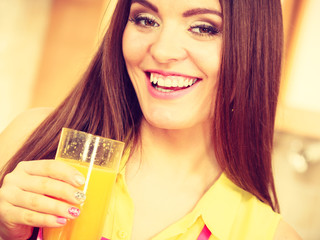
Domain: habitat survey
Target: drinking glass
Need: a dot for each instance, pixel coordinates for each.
(98, 159)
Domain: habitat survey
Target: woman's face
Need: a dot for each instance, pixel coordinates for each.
(172, 50)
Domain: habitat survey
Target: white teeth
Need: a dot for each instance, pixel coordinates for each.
(163, 90)
(154, 79)
(180, 82)
(175, 83)
(186, 82)
(168, 83)
(171, 81)
(160, 82)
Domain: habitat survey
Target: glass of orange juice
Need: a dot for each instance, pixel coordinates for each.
(98, 159)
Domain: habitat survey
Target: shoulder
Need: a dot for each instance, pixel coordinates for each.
(26, 122)
(264, 220)
(12, 138)
(253, 219)
(259, 217)
(285, 232)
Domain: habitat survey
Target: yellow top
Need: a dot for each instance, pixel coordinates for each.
(229, 212)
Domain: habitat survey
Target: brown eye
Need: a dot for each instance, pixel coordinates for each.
(149, 22)
(204, 29)
(144, 21)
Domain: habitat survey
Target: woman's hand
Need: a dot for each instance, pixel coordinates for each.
(39, 193)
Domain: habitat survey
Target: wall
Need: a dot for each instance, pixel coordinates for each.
(71, 41)
(297, 140)
(299, 107)
(45, 45)
(23, 28)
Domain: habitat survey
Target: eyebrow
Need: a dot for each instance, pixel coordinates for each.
(198, 11)
(146, 4)
(188, 13)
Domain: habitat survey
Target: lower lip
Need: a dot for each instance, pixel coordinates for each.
(169, 95)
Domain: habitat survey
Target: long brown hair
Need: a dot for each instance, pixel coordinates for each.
(247, 94)
(104, 102)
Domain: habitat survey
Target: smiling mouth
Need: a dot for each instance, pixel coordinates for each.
(170, 83)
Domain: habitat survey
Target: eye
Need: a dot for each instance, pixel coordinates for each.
(144, 20)
(204, 30)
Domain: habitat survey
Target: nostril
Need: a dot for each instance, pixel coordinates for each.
(168, 50)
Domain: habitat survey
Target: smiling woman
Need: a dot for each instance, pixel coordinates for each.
(183, 70)
(191, 87)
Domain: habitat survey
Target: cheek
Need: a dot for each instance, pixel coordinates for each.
(209, 60)
(133, 46)
(127, 49)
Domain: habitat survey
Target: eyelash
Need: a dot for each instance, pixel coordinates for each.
(142, 21)
(209, 30)
(204, 30)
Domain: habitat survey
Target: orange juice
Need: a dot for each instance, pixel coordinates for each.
(89, 225)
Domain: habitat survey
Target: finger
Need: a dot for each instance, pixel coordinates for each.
(43, 185)
(54, 169)
(21, 216)
(42, 204)
(54, 188)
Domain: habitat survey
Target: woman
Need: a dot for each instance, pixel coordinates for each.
(192, 87)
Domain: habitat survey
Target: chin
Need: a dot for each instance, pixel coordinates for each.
(166, 124)
(175, 119)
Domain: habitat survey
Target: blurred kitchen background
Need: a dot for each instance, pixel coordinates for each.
(45, 45)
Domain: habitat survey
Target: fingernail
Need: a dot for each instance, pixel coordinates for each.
(80, 180)
(74, 212)
(80, 196)
(61, 220)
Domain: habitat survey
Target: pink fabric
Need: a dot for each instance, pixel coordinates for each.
(40, 236)
(205, 234)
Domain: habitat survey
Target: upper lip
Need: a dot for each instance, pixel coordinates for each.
(170, 73)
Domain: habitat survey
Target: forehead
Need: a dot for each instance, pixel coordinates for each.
(177, 5)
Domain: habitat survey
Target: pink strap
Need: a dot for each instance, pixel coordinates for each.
(39, 234)
(205, 234)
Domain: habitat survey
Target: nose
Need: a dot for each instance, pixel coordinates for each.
(168, 46)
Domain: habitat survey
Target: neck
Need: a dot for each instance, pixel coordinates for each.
(189, 150)
(169, 172)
